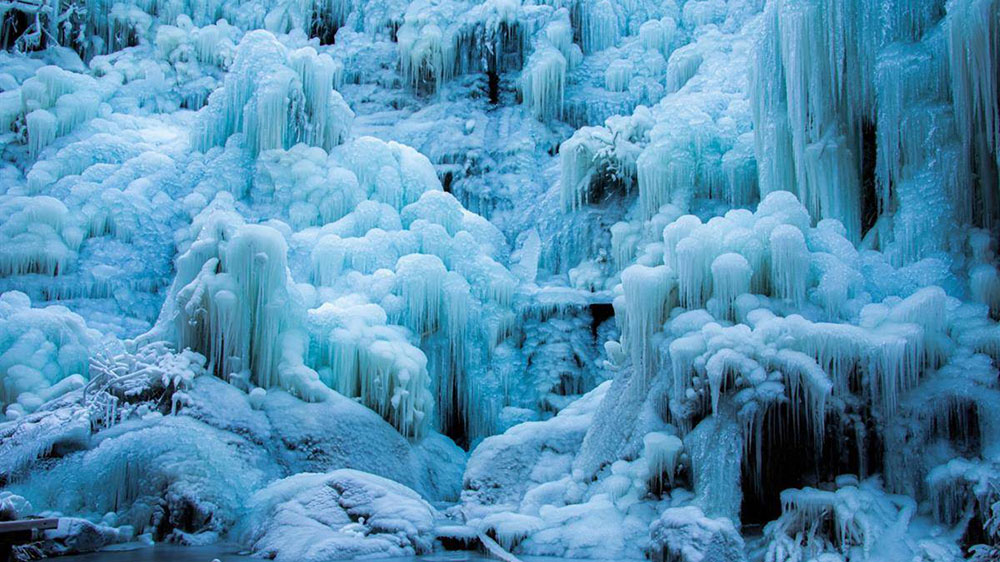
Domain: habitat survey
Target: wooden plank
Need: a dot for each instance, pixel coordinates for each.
(27, 525)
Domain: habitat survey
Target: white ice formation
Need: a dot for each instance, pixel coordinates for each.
(614, 278)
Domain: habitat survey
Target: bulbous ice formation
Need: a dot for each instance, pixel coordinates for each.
(276, 98)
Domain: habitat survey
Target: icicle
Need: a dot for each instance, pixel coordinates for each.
(673, 233)
(682, 65)
(625, 238)
(665, 175)
(662, 452)
(255, 258)
(740, 167)
(331, 117)
(43, 127)
(421, 278)
(834, 190)
(426, 55)
(694, 280)
(658, 35)
(576, 164)
(559, 32)
(599, 26)
(543, 83)
(731, 275)
(648, 300)
(973, 34)
(789, 263)
(984, 283)
(684, 352)
(617, 75)
(716, 450)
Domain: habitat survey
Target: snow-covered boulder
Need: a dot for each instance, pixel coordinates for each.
(342, 514)
(159, 474)
(522, 490)
(75, 535)
(685, 534)
(332, 434)
(503, 467)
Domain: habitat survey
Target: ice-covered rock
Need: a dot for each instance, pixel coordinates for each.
(342, 514)
(685, 534)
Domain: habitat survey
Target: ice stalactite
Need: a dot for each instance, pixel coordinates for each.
(663, 453)
(440, 41)
(665, 175)
(598, 25)
(42, 130)
(38, 235)
(731, 275)
(913, 85)
(361, 355)
(422, 275)
(973, 38)
(422, 280)
(618, 75)
(234, 309)
(256, 260)
(789, 263)
(52, 103)
(649, 295)
(543, 83)
(681, 66)
(658, 35)
(276, 98)
(426, 55)
(576, 160)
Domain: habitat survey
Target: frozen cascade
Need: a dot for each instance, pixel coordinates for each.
(736, 268)
(716, 449)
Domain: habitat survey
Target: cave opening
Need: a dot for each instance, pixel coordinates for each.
(790, 458)
(600, 312)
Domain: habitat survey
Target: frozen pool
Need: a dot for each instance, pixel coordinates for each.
(230, 553)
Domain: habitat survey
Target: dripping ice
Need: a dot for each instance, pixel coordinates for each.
(694, 280)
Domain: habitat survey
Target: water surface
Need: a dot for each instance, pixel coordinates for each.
(231, 553)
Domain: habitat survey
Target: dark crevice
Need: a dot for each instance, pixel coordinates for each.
(494, 86)
(869, 183)
(790, 459)
(452, 422)
(599, 313)
(15, 22)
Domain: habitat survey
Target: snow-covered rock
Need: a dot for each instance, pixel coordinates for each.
(684, 534)
(343, 514)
